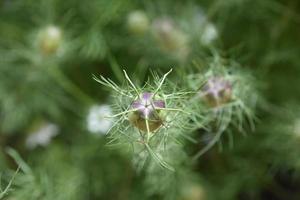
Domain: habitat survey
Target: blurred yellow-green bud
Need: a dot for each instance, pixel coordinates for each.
(138, 22)
(50, 39)
(170, 38)
(193, 192)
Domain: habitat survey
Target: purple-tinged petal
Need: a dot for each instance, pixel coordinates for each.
(217, 90)
(147, 95)
(147, 112)
(159, 103)
(137, 104)
(146, 109)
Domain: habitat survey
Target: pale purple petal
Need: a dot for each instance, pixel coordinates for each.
(217, 89)
(159, 104)
(147, 112)
(137, 104)
(144, 105)
(147, 95)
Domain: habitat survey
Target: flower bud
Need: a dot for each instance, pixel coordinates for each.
(193, 192)
(147, 108)
(137, 22)
(217, 91)
(50, 40)
(170, 38)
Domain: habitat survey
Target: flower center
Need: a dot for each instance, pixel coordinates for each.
(146, 105)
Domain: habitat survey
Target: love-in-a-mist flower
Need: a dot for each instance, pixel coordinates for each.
(145, 116)
(216, 91)
(228, 99)
(42, 136)
(98, 121)
(147, 107)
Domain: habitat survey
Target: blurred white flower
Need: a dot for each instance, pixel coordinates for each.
(202, 27)
(97, 119)
(209, 33)
(42, 136)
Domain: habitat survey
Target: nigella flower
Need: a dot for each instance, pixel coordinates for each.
(97, 119)
(230, 100)
(145, 115)
(42, 136)
(147, 108)
(217, 91)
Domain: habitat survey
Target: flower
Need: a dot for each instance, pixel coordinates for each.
(42, 136)
(147, 108)
(217, 91)
(97, 119)
(209, 34)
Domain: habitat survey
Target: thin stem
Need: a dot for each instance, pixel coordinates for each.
(4, 192)
(121, 113)
(158, 159)
(111, 84)
(161, 82)
(209, 146)
(148, 129)
(216, 138)
(17, 158)
(131, 83)
(115, 68)
(172, 109)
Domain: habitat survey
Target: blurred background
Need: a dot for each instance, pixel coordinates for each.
(51, 110)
